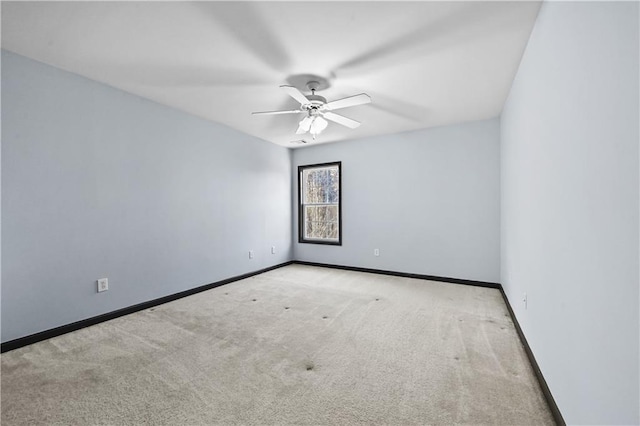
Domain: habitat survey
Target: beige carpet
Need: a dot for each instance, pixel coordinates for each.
(297, 345)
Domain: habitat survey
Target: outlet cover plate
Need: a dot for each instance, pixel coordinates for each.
(103, 285)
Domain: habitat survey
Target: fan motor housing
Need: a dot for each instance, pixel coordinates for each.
(316, 99)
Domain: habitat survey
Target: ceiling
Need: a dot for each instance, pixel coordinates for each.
(424, 64)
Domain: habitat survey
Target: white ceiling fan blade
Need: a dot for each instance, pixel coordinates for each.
(341, 119)
(293, 111)
(247, 24)
(360, 99)
(295, 94)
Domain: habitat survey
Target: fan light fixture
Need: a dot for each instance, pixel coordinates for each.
(312, 124)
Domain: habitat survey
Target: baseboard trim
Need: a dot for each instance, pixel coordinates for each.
(403, 274)
(555, 411)
(63, 329)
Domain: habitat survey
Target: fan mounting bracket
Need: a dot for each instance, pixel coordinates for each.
(308, 82)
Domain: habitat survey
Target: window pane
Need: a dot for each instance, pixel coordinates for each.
(333, 186)
(331, 213)
(309, 213)
(321, 221)
(333, 231)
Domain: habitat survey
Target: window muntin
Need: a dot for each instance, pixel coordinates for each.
(319, 203)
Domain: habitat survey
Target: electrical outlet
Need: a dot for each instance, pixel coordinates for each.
(273, 249)
(103, 285)
(525, 300)
(250, 254)
(376, 252)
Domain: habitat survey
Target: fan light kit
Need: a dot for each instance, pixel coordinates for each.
(316, 108)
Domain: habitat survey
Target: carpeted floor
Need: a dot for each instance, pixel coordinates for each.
(296, 345)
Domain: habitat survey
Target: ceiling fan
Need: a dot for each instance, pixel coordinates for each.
(317, 110)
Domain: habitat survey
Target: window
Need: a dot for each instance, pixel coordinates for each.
(319, 213)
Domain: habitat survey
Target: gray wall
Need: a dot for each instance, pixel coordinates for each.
(100, 183)
(0, 201)
(428, 200)
(570, 206)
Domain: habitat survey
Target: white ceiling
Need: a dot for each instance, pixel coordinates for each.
(424, 64)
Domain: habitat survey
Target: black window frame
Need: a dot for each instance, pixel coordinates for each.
(301, 237)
